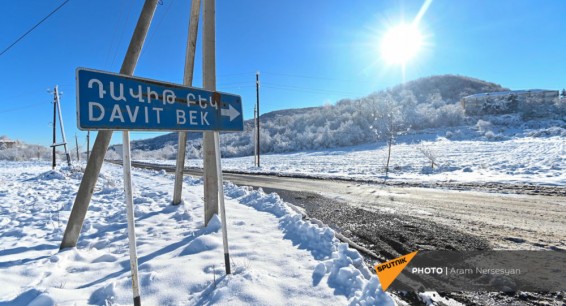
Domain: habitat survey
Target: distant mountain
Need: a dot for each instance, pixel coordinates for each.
(161, 141)
(422, 103)
(451, 88)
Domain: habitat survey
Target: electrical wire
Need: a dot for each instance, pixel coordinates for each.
(19, 108)
(303, 89)
(157, 24)
(123, 30)
(314, 77)
(33, 28)
(115, 34)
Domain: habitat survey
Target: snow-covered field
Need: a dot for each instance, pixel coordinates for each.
(465, 157)
(277, 258)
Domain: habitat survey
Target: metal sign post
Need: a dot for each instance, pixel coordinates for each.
(221, 203)
(128, 194)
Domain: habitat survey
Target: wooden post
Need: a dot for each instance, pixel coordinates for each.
(87, 145)
(209, 82)
(187, 80)
(54, 161)
(86, 188)
(64, 143)
(77, 147)
(257, 122)
(254, 136)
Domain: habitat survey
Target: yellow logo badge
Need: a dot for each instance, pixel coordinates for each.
(388, 271)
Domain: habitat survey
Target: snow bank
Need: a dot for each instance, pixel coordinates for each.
(342, 268)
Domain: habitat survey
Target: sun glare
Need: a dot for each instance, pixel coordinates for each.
(401, 43)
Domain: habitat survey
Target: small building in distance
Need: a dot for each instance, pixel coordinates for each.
(506, 102)
(7, 143)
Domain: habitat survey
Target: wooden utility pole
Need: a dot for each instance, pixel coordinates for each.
(86, 188)
(187, 80)
(54, 162)
(254, 133)
(213, 183)
(94, 164)
(209, 83)
(64, 143)
(257, 118)
(87, 145)
(57, 110)
(77, 146)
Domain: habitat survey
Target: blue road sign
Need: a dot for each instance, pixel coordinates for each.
(109, 101)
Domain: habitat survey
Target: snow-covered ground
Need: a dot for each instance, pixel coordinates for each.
(277, 258)
(536, 157)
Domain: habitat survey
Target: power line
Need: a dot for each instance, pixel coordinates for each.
(156, 28)
(317, 77)
(305, 89)
(33, 28)
(2, 111)
(115, 33)
(123, 30)
(235, 74)
(301, 76)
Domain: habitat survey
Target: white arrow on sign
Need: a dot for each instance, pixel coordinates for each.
(230, 112)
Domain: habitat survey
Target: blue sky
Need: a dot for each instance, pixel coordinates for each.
(309, 53)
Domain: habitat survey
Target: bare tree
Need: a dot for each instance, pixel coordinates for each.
(429, 154)
(389, 122)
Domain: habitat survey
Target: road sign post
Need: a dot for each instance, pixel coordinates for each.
(86, 188)
(128, 195)
(107, 101)
(221, 204)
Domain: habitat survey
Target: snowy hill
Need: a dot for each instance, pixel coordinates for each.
(162, 141)
(500, 149)
(423, 103)
(450, 88)
(18, 150)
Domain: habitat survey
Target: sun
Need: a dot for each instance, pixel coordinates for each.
(400, 44)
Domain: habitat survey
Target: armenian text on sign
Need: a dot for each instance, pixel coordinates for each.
(118, 102)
